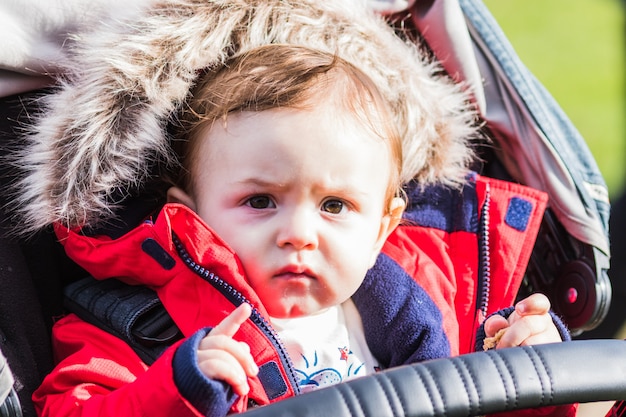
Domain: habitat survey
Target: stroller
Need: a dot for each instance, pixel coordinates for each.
(533, 144)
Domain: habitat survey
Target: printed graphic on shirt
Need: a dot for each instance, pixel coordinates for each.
(328, 347)
(315, 373)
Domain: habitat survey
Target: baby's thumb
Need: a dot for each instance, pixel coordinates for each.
(494, 324)
(533, 304)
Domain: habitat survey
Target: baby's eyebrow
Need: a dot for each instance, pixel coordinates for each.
(260, 182)
(338, 190)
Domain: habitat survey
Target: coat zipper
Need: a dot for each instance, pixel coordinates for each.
(235, 297)
(484, 256)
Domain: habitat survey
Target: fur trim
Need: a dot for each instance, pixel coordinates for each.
(101, 131)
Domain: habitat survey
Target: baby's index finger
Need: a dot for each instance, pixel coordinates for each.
(231, 324)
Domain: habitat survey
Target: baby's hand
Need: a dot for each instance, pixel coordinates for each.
(529, 324)
(223, 358)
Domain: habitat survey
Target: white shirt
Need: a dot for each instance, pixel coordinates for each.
(327, 347)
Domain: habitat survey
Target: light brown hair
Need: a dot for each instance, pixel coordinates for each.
(275, 76)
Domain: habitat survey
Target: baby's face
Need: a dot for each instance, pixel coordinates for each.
(300, 197)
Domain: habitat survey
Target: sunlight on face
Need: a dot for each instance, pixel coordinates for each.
(299, 195)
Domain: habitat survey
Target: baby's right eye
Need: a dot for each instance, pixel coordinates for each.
(260, 202)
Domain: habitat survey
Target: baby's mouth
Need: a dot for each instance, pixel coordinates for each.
(295, 272)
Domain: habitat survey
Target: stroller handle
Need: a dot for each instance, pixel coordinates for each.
(474, 384)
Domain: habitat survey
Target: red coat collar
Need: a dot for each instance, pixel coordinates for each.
(147, 255)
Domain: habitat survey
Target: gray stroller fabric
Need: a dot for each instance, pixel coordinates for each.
(6, 379)
(9, 402)
(536, 142)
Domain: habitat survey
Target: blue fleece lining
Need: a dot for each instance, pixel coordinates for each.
(208, 396)
(402, 324)
(518, 213)
(443, 208)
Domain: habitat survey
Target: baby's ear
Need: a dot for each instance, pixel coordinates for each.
(178, 195)
(388, 224)
(396, 209)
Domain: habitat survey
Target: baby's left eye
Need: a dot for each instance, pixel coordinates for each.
(260, 202)
(333, 206)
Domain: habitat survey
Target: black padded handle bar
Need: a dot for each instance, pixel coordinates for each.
(474, 384)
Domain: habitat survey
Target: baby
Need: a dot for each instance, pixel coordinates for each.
(295, 163)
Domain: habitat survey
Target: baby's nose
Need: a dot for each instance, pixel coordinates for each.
(298, 229)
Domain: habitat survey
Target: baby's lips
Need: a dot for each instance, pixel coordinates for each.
(296, 270)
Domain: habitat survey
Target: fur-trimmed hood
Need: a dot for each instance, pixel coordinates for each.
(102, 130)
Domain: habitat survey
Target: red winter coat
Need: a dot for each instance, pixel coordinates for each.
(438, 247)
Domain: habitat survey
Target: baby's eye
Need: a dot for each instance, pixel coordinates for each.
(333, 206)
(260, 202)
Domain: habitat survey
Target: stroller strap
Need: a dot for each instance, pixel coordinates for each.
(132, 313)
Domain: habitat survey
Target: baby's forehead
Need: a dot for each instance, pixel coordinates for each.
(293, 146)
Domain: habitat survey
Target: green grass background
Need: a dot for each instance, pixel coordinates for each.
(576, 48)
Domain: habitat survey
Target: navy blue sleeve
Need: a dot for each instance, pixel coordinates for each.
(560, 326)
(401, 322)
(210, 397)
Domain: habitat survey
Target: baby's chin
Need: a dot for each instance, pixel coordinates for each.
(294, 310)
(293, 300)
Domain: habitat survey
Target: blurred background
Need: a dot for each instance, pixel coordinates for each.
(576, 48)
